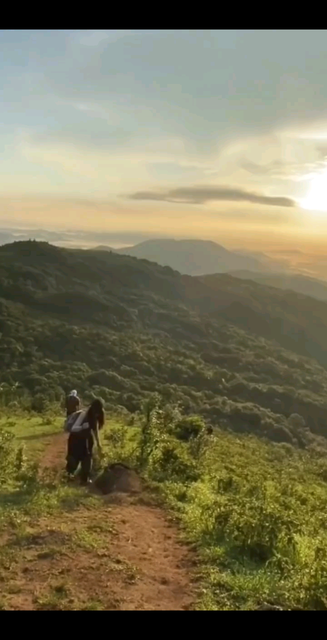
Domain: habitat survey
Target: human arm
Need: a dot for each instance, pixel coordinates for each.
(99, 425)
(96, 436)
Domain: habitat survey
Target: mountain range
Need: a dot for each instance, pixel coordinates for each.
(244, 355)
(294, 282)
(195, 257)
(199, 257)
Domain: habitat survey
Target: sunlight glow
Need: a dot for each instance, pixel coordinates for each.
(316, 198)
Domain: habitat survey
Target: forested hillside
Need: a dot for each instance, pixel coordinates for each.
(295, 282)
(124, 328)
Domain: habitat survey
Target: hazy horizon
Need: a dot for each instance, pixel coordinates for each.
(219, 135)
(87, 238)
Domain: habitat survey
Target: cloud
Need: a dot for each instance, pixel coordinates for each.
(203, 194)
(186, 84)
(92, 38)
(193, 82)
(286, 170)
(262, 169)
(322, 150)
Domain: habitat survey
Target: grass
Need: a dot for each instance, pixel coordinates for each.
(86, 540)
(258, 514)
(255, 511)
(46, 523)
(94, 605)
(32, 431)
(56, 599)
(129, 571)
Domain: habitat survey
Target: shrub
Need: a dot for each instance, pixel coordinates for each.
(170, 461)
(189, 427)
(296, 421)
(7, 456)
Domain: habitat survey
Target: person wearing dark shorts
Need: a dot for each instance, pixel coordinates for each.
(81, 441)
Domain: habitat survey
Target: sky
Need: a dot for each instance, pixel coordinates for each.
(219, 135)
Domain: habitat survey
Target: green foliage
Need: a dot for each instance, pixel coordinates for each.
(256, 511)
(126, 330)
(26, 493)
(170, 459)
(121, 445)
(189, 427)
(9, 459)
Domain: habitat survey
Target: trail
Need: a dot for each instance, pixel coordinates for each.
(55, 453)
(120, 553)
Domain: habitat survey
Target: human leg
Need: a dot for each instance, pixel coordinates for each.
(86, 463)
(73, 457)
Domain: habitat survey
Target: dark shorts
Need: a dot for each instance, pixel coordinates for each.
(79, 451)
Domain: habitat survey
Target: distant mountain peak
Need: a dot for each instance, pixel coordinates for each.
(193, 257)
(102, 247)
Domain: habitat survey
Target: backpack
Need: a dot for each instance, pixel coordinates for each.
(75, 421)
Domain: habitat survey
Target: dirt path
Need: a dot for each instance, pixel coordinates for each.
(55, 453)
(116, 554)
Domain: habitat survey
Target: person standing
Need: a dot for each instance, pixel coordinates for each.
(72, 403)
(81, 440)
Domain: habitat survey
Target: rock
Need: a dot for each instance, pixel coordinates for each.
(118, 478)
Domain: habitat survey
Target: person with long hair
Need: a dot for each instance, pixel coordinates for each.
(81, 439)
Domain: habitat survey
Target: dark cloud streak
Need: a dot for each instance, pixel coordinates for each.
(204, 194)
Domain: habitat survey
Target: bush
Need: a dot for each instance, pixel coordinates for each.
(189, 427)
(257, 511)
(7, 456)
(39, 403)
(296, 421)
(170, 461)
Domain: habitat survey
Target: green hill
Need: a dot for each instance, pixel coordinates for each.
(233, 351)
(292, 282)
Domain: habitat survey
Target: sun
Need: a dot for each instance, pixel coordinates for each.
(316, 198)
